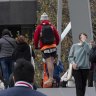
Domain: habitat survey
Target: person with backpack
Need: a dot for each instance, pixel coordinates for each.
(47, 36)
(7, 46)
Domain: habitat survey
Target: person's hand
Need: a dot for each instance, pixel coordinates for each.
(92, 43)
(74, 66)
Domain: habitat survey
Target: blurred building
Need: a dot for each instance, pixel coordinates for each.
(19, 16)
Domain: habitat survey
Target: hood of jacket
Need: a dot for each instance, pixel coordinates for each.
(45, 22)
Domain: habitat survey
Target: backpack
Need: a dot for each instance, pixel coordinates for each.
(47, 35)
(92, 55)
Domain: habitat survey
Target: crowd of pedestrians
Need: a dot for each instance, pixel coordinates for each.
(17, 71)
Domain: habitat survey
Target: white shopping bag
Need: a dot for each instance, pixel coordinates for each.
(32, 59)
(68, 74)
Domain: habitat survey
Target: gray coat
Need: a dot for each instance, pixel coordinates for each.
(6, 49)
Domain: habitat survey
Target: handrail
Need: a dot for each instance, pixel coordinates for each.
(66, 31)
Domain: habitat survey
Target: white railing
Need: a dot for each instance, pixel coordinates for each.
(66, 31)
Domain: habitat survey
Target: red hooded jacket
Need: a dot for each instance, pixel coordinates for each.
(37, 34)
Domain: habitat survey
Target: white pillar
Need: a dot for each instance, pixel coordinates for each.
(59, 24)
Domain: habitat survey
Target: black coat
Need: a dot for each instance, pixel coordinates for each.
(22, 51)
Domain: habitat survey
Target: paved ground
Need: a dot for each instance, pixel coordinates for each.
(66, 91)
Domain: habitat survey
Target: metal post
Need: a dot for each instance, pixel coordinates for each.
(59, 24)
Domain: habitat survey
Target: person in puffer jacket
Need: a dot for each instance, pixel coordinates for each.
(7, 46)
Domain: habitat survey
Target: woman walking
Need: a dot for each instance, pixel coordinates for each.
(79, 58)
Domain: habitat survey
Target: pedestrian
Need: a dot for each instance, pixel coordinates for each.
(7, 46)
(79, 58)
(22, 50)
(92, 58)
(23, 77)
(48, 37)
(58, 69)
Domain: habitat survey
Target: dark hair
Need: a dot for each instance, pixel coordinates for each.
(23, 71)
(82, 34)
(6, 32)
(21, 39)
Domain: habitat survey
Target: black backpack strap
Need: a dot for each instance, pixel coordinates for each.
(9, 42)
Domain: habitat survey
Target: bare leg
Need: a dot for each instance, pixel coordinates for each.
(50, 66)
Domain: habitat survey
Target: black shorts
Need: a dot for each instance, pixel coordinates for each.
(49, 53)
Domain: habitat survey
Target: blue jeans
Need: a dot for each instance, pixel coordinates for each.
(6, 66)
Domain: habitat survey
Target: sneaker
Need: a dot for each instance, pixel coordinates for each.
(50, 80)
(48, 85)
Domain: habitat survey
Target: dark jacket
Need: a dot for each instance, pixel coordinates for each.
(22, 51)
(20, 91)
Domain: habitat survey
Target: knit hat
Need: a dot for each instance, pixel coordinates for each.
(44, 16)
